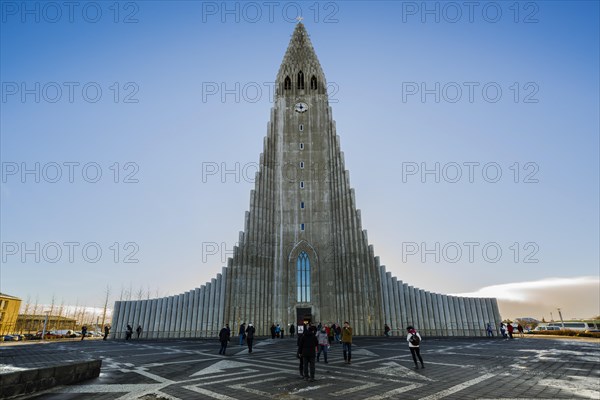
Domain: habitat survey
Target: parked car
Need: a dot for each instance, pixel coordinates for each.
(9, 338)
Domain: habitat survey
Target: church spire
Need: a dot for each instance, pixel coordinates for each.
(300, 71)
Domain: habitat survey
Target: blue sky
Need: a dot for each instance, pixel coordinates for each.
(158, 124)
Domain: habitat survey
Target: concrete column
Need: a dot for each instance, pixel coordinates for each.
(167, 314)
(152, 319)
(454, 318)
(115, 323)
(401, 305)
(386, 301)
(433, 320)
(201, 307)
(392, 285)
(171, 316)
(205, 309)
(463, 314)
(222, 299)
(418, 311)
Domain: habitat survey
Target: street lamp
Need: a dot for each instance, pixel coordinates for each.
(45, 324)
(562, 323)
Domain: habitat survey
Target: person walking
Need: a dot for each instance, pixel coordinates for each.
(250, 336)
(83, 332)
(138, 330)
(282, 332)
(414, 342)
(323, 341)
(489, 330)
(128, 332)
(338, 334)
(347, 342)
(386, 330)
(308, 343)
(299, 353)
(510, 328)
(330, 333)
(272, 331)
(292, 330)
(520, 330)
(106, 330)
(277, 331)
(224, 336)
(242, 333)
(503, 330)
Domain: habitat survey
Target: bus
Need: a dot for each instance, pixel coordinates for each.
(584, 326)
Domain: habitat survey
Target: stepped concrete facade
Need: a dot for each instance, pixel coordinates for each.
(303, 255)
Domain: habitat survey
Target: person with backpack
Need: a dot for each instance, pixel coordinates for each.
(414, 342)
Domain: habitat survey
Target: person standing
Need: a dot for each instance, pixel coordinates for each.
(106, 330)
(138, 330)
(83, 331)
(347, 342)
(414, 342)
(128, 332)
(250, 336)
(272, 331)
(224, 336)
(386, 330)
(503, 330)
(277, 331)
(308, 343)
(323, 340)
(520, 329)
(242, 333)
(282, 332)
(292, 330)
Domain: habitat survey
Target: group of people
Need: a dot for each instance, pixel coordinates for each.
(507, 330)
(314, 341)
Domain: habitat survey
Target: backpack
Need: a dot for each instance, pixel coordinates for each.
(414, 340)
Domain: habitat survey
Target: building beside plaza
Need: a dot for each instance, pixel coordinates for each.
(9, 311)
(32, 323)
(303, 255)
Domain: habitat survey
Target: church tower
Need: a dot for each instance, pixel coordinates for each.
(313, 261)
(303, 255)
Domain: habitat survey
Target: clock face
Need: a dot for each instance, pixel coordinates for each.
(301, 107)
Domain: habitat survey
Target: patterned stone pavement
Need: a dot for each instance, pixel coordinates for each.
(381, 369)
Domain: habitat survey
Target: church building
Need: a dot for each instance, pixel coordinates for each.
(303, 255)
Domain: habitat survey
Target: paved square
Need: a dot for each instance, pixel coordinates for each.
(381, 368)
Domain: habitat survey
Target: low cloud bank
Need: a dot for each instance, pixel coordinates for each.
(577, 297)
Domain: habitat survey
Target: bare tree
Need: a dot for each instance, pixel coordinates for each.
(107, 294)
(140, 293)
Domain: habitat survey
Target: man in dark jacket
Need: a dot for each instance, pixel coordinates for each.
(250, 336)
(224, 336)
(308, 344)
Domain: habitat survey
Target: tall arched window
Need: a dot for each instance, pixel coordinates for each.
(313, 83)
(300, 80)
(287, 83)
(303, 278)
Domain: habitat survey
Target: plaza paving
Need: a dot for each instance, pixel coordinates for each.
(381, 368)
